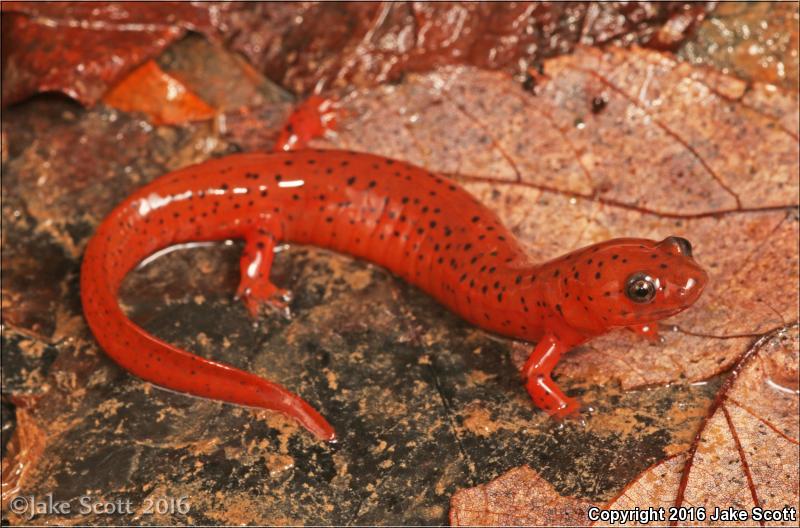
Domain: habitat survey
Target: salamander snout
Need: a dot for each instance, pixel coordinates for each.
(679, 278)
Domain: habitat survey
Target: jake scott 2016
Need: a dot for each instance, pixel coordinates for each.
(31, 506)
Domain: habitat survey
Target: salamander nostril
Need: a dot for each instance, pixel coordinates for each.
(684, 245)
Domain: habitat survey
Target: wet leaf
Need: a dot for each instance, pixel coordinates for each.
(220, 77)
(193, 80)
(306, 46)
(255, 128)
(66, 176)
(82, 49)
(756, 41)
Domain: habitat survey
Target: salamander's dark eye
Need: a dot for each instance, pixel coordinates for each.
(683, 245)
(640, 288)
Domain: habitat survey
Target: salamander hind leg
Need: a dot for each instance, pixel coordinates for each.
(541, 387)
(255, 288)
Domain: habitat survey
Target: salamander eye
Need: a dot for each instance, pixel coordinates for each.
(679, 245)
(640, 288)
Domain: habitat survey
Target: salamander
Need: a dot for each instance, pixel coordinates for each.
(421, 226)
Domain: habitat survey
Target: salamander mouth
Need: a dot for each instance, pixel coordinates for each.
(666, 312)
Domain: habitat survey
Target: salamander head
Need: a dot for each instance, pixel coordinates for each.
(628, 281)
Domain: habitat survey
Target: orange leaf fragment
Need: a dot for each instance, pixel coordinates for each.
(163, 98)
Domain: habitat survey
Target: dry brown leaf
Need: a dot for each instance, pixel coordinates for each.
(745, 455)
(519, 498)
(603, 149)
(608, 125)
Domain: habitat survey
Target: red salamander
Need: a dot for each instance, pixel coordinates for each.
(421, 226)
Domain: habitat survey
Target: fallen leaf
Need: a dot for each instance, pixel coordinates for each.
(255, 129)
(194, 80)
(744, 456)
(309, 46)
(519, 498)
(746, 453)
(222, 78)
(89, 155)
(82, 49)
(563, 174)
(163, 98)
(756, 41)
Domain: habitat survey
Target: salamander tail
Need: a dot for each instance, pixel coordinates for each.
(163, 364)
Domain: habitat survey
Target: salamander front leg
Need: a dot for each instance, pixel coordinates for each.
(255, 288)
(541, 387)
